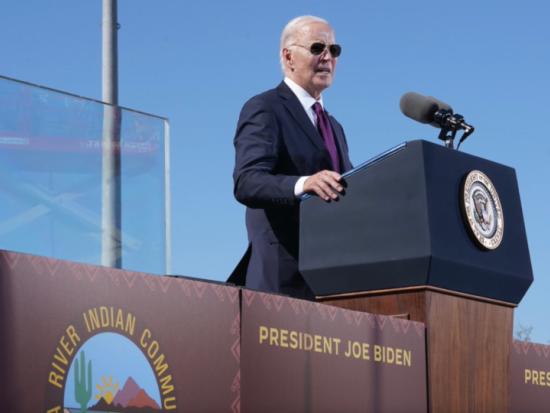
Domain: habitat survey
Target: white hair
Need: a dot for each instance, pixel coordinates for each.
(288, 36)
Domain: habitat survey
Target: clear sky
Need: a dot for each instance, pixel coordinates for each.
(197, 62)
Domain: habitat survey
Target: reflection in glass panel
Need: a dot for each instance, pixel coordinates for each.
(50, 178)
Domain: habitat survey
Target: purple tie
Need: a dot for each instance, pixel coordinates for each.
(323, 125)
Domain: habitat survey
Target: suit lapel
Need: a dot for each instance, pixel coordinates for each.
(340, 141)
(297, 111)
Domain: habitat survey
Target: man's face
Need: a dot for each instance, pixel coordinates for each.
(313, 73)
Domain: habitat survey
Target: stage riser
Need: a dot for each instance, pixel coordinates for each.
(194, 346)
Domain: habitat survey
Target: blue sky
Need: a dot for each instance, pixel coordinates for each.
(196, 62)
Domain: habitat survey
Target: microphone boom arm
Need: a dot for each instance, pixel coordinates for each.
(450, 125)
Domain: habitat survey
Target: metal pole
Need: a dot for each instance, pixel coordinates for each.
(111, 250)
(110, 52)
(168, 201)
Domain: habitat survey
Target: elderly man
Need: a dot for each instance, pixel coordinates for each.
(287, 145)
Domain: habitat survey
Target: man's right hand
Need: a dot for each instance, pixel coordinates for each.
(325, 184)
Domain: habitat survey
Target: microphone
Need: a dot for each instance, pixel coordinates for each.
(423, 108)
(427, 109)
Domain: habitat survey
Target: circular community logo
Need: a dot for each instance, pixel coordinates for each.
(105, 361)
(98, 382)
(482, 210)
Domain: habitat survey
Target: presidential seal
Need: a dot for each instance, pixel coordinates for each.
(482, 210)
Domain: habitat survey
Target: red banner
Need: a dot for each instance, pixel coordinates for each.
(86, 338)
(299, 356)
(529, 377)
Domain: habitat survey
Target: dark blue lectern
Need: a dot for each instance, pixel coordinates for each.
(400, 224)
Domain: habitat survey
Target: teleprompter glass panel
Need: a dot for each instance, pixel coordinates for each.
(52, 185)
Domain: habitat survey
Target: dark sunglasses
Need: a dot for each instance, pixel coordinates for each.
(317, 48)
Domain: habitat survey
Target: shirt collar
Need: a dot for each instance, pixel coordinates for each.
(303, 96)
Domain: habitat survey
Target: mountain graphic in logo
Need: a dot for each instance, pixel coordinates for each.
(128, 392)
(102, 363)
(132, 395)
(131, 398)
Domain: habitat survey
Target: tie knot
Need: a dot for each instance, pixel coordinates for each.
(317, 108)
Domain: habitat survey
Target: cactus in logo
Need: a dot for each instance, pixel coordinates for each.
(82, 387)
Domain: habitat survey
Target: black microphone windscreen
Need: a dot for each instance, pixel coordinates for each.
(441, 105)
(421, 108)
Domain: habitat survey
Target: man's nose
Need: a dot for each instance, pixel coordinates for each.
(326, 54)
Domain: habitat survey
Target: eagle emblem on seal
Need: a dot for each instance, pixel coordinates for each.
(482, 210)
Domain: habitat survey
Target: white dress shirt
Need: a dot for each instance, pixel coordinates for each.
(307, 102)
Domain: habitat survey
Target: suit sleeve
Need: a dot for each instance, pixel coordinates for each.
(258, 145)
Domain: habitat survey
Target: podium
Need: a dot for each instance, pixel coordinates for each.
(402, 241)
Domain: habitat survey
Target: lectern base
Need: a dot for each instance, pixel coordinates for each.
(468, 343)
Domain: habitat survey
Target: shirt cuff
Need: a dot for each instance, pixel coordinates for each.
(299, 186)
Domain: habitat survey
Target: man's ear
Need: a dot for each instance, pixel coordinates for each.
(287, 58)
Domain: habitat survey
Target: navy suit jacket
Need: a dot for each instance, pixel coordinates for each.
(275, 144)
